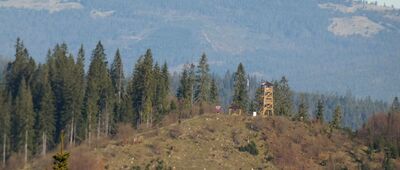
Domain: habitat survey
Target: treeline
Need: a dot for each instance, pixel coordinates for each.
(382, 134)
(40, 101)
(356, 111)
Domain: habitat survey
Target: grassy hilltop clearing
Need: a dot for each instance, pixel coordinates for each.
(212, 141)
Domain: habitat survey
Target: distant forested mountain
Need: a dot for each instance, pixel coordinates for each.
(320, 45)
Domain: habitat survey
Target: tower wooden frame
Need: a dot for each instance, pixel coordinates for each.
(267, 108)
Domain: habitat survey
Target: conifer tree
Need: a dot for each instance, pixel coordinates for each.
(337, 117)
(148, 94)
(257, 103)
(141, 89)
(395, 107)
(65, 88)
(117, 78)
(164, 83)
(159, 93)
(60, 161)
(182, 91)
(202, 86)
(79, 117)
(5, 126)
(240, 88)
(21, 69)
(319, 113)
(46, 114)
(302, 114)
(191, 80)
(214, 96)
(23, 121)
(98, 95)
(283, 97)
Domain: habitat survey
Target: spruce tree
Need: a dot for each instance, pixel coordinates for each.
(191, 80)
(5, 127)
(79, 93)
(395, 107)
(257, 103)
(148, 94)
(302, 114)
(98, 95)
(66, 89)
(60, 161)
(141, 89)
(157, 87)
(202, 86)
(283, 97)
(337, 117)
(164, 83)
(214, 97)
(240, 97)
(319, 113)
(17, 71)
(23, 121)
(45, 118)
(117, 79)
(185, 89)
(117, 76)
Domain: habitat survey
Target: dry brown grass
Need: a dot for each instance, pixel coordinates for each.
(83, 159)
(211, 141)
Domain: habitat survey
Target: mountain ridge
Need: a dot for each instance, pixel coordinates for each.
(271, 38)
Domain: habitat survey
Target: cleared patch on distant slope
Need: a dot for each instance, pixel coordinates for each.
(354, 7)
(338, 7)
(356, 25)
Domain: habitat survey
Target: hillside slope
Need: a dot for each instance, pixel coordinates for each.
(212, 142)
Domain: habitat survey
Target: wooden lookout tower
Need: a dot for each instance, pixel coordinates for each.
(267, 108)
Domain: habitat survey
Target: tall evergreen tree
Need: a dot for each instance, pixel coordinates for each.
(202, 87)
(117, 79)
(157, 98)
(23, 121)
(240, 97)
(98, 95)
(79, 93)
(117, 76)
(337, 117)
(283, 99)
(191, 80)
(161, 82)
(164, 83)
(5, 128)
(21, 69)
(65, 88)
(214, 96)
(148, 81)
(302, 113)
(44, 120)
(395, 107)
(257, 102)
(319, 113)
(141, 89)
(185, 89)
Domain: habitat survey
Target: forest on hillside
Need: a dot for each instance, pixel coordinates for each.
(41, 100)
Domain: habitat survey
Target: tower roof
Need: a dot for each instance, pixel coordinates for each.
(266, 83)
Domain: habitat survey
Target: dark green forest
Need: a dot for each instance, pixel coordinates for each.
(40, 100)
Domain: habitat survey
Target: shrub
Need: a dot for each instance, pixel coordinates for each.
(84, 159)
(250, 148)
(175, 133)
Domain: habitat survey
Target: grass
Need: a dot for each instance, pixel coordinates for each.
(211, 141)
